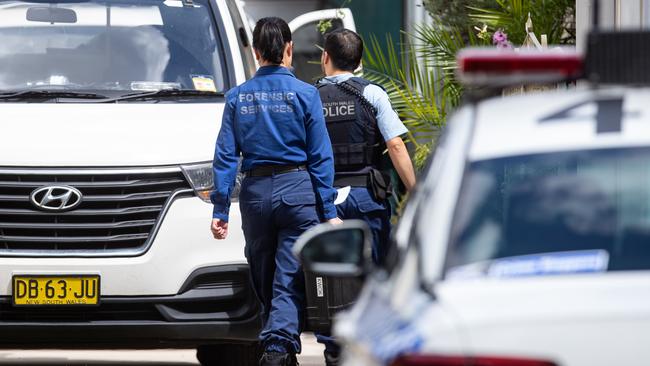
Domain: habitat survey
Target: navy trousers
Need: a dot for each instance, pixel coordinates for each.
(275, 211)
(360, 205)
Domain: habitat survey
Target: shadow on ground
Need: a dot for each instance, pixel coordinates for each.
(65, 362)
(34, 362)
(312, 355)
(309, 360)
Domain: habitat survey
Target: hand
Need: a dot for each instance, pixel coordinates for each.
(219, 229)
(335, 221)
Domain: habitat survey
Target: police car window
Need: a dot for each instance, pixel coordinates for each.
(109, 45)
(308, 42)
(593, 203)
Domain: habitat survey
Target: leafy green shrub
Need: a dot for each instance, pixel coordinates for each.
(419, 73)
(551, 17)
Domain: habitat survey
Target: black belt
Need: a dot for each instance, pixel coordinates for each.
(270, 170)
(352, 181)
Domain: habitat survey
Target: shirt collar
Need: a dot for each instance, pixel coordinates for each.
(337, 78)
(273, 70)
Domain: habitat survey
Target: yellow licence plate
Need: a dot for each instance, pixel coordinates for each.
(56, 290)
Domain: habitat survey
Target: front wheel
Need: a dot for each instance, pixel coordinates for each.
(229, 354)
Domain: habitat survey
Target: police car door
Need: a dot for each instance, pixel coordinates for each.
(308, 39)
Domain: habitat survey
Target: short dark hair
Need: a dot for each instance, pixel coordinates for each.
(270, 38)
(345, 47)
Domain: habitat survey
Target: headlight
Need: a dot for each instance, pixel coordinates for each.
(201, 178)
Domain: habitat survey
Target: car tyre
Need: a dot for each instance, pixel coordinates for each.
(229, 354)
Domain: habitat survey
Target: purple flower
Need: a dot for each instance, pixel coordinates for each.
(499, 37)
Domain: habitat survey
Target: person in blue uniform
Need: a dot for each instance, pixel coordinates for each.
(275, 123)
(362, 125)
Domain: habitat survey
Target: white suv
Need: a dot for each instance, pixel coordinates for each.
(110, 112)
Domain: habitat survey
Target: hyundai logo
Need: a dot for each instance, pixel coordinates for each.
(56, 198)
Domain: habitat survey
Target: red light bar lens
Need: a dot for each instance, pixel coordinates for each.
(428, 360)
(485, 66)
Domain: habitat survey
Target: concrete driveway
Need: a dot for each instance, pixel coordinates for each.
(312, 356)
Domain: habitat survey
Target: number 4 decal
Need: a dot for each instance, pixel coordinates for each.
(609, 115)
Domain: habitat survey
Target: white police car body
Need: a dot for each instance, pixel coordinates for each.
(526, 242)
(562, 202)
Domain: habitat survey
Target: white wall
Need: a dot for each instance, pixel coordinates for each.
(617, 14)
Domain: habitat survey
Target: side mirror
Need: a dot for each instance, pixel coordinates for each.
(336, 250)
(51, 15)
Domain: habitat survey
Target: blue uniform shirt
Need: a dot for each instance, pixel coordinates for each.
(389, 123)
(273, 119)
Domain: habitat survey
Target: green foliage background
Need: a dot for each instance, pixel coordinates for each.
(550, 17)
(418, 71)
(454, 12)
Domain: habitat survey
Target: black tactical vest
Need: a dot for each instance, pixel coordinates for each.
(352, 126)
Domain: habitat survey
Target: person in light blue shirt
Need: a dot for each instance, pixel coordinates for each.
(275, 123)
(360, 117)
(390, 125)
(362, 125)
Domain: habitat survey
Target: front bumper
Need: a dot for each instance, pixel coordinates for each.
(182, 245)
(131, 334)
(215, 304)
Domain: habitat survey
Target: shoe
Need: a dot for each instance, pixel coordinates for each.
(332, 359)
(278, 359)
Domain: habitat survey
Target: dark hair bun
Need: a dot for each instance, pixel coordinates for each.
(270, 37)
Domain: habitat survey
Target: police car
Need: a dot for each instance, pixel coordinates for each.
(528, 240)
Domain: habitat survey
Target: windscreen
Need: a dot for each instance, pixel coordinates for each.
(109, 45)
(564, 212)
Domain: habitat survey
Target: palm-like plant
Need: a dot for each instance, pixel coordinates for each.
(454, 12)
(439, 44)
(415, 89)
(419, 75)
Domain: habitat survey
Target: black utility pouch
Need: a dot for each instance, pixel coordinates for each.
(379, 185)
